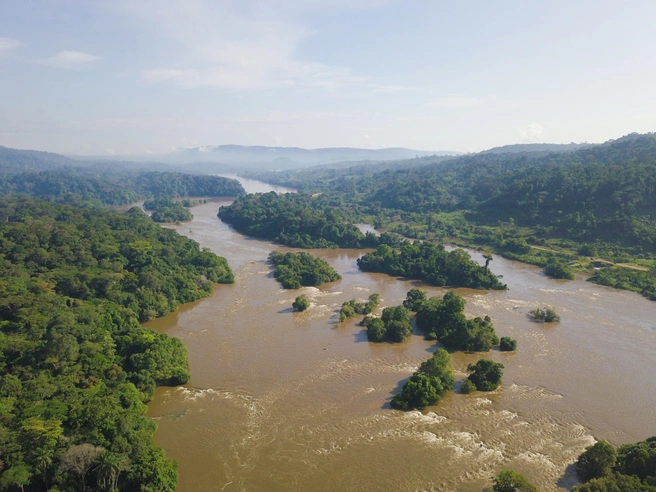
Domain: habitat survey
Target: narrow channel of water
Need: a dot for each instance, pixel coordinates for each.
(294, 401)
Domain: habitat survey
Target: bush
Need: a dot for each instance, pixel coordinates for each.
(485, 374)
(596, 461)
(510, 481)
(507, 344)
(301, 303)
(414, 298)
(558, 269)
(467, 387)
(545, 315)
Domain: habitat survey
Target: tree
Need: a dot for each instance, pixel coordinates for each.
(488, 259)
(301, 303)
(79, 459)
(596, 461)
(414, 298)
(510, 481)
(467, 387)
(485, 374)
(507, 344)
(18, 475)
(108, 471)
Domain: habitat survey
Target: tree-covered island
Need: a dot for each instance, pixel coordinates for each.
(296, 270)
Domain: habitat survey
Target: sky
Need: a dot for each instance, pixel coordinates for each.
(137, 77)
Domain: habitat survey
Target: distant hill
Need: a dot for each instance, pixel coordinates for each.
(14, 161)
(287, 157)
(537, 147)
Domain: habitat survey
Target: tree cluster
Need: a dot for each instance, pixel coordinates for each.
(632, 467)
(431, 263)
(76, 366)
(166, 209)
(393, 326)
(428, 385)
(353, 307)
(444, 320)
(544, 315)
(295, 270)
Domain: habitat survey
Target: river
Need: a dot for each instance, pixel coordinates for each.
(283, 401)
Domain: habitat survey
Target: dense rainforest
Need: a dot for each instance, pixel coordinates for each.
(589, 202)
(166, 209)
(115, 188)
(76, 366)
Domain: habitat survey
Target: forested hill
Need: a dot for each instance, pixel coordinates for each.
(605, 192)
(117, 188)
(14, 161)
(75, 365)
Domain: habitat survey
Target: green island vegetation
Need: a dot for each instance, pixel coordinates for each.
(507, 344)
(393, 326)
(428, 385)
(485, 375)
(301, 303)
(353, 307)
(544, 315)
(631, 467)
(558, 269)
(467, 387)
(76, 366)
(432, 263)
(295, 270)
(510, 481)
(578, 205)
(166, 209)
(444, 320)
(113, 186)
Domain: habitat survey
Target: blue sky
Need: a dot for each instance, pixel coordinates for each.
(132, 77)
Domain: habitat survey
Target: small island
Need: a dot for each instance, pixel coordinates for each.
(166, 209)
(393, 326)
(296, 270)
(544, 315)
(428, 385)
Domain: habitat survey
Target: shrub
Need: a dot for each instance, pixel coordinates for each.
(508, 344)
(485, 374)
(467, 387)
(510, 481)
(596, 461)
(301, 303)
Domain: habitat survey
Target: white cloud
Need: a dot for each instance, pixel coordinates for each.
(455, 101)
(532, 133)
(235, 44)
(70, 58)
(8, 44)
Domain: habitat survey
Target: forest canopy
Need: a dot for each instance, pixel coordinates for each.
(76, 366)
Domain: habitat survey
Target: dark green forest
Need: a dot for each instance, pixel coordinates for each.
(115, 188)
(296, 270)
(166, 209)
(76, 365)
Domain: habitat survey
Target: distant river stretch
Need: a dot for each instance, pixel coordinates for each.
(284, 401)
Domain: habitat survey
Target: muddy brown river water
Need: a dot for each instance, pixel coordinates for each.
(284, 401)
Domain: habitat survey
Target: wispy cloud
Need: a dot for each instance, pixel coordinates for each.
(532, 133)
(242, 44)
(8, 44)
(70, 59)
(455, 101)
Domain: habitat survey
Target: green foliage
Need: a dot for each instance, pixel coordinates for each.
(393, 326)
(301, 303)
(485, 374)
(294, 270)
(116, 186)
(558, 269)
(428, 385)
(615, 483)
(414, 298)
(544, 315)
(426, 261)
(467, 387)
(596, 461)
(638, 459)
(627, 279)
(166, 209)
(507, 344)
(293, 219)
(75, 365)
(351, 308)
(510, 481)
(444, 319)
